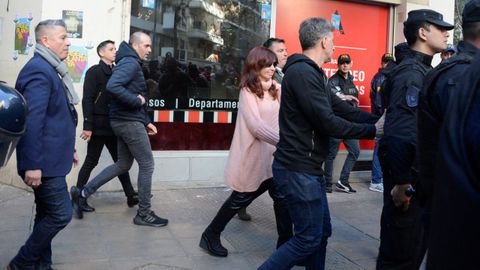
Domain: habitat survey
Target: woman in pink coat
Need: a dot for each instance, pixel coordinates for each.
(249, 167)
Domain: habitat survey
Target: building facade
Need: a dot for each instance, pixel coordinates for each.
(197, 58)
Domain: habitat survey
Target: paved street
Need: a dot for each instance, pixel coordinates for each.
(107, 238)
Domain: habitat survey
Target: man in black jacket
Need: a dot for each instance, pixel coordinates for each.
(341, 84)
(131, 124)
(96, 125)
(309, 114)
(402, 244)
(376, 85)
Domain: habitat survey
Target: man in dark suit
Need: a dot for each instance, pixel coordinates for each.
(46, 151)
(96, 124)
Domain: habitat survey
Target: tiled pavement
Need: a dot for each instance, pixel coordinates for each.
(107, 238)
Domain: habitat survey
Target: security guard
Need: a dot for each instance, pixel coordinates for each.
(341, 84)
(442, 84)
(402, 244)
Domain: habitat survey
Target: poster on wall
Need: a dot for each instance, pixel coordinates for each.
(148, 4)
(266, 12)
(74, 21)
(77, 62)
(22, 32)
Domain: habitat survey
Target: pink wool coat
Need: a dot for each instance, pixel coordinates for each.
(256, 134)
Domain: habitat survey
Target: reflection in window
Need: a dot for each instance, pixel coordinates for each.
(197, 54)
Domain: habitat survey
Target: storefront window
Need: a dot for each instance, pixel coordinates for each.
(197, 57)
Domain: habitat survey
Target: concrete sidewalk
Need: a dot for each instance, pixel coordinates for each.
(107, 238)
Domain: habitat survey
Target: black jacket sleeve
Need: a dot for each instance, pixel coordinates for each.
(350, 113)
(428, 127)
(401, 124)
(313, 93)
(90, 93)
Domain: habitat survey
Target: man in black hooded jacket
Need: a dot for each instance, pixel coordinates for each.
(309, 114)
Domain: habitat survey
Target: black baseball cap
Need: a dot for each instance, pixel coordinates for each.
(387, 57)
(471, 12)
(344, 58)
(428, 15)
(450, 48)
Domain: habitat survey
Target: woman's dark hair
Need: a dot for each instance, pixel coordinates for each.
(257, 58)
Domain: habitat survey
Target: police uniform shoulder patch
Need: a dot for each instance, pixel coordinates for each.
(412, 96)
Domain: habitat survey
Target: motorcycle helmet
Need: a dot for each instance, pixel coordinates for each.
(13, 113)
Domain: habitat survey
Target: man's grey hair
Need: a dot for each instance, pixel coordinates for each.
(43, 25)
(312, 30)
(136, 37)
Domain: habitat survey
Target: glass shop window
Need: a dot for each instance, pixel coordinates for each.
(198, 50)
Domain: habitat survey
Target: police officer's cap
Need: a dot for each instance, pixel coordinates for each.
(471, 12)
(387, 57)
(450, 48)
(427, 15)
(344, 58)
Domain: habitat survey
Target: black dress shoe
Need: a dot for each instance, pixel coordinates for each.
(77, 210)
(212, 244)
(84, 205)
(132, 200)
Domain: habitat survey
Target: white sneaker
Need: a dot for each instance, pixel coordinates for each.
(376, 187)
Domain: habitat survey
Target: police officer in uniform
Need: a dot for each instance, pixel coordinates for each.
(440, 86)
(453, 241)
(401, 236)
(341, 83)
(443, 84)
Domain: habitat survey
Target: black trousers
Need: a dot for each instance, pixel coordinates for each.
(402, 233)
(94, 150)
(239, 200)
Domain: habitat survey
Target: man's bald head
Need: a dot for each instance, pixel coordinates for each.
(137, 37)
(141, 43)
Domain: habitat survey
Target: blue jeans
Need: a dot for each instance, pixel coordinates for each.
(377, 175)
(54, 212)
(133, 143)
(308, 208)
(353, 149)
